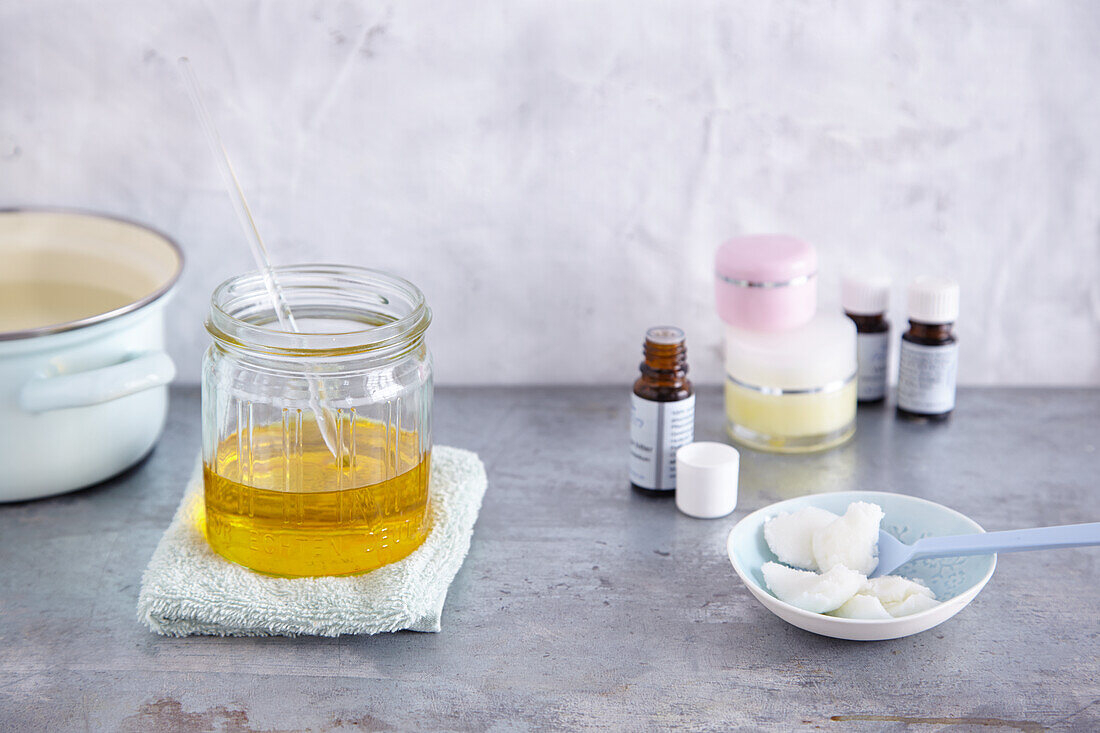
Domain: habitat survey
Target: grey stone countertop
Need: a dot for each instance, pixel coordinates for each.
(581, 604)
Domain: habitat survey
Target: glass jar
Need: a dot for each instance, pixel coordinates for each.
(792, 391)
(316, 444)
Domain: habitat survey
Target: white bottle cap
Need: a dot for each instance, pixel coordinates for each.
(933, 300)
(865, 295)
(706, 479)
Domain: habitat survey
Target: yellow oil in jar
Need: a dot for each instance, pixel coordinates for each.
(278, 502)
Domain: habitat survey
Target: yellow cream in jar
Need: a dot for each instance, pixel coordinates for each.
(791, 423)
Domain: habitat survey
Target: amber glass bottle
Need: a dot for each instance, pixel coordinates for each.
(865, 299)
(662, 414)
(929, 352)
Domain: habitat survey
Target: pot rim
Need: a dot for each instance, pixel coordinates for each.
(136, 305)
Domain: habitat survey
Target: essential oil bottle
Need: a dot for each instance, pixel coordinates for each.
(865, 300)
(662, 412)
(929, 352)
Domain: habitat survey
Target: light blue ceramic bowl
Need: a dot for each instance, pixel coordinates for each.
(954, 580)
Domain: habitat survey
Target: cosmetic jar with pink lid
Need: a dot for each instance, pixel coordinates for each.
(792, 391)
(766, 282)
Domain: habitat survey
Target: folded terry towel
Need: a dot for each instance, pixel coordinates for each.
(188, 589)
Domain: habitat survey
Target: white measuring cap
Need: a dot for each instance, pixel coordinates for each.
(706, 479)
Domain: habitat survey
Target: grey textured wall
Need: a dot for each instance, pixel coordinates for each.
(556, 176)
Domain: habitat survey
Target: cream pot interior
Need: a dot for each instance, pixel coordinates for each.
(83, 372)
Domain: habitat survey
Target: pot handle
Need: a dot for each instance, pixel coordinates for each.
(153, 369)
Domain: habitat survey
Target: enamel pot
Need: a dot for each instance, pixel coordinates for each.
(83, 372)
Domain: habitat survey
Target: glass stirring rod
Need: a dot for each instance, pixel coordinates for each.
(326, 421)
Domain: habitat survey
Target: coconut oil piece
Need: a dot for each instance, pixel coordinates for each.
(790, 536)
(851, 541)
(901, 596)
(862, 606)
(810, 591)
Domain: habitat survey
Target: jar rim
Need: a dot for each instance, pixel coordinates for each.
(365, 289)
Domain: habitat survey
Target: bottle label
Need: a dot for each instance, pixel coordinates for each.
(657, 429)
(926, 378)
(872, 350)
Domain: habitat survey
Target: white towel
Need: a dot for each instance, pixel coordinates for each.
(188, 589)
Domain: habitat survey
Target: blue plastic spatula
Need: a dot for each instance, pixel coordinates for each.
(893, 553)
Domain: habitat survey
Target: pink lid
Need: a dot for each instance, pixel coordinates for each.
(765, 258)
